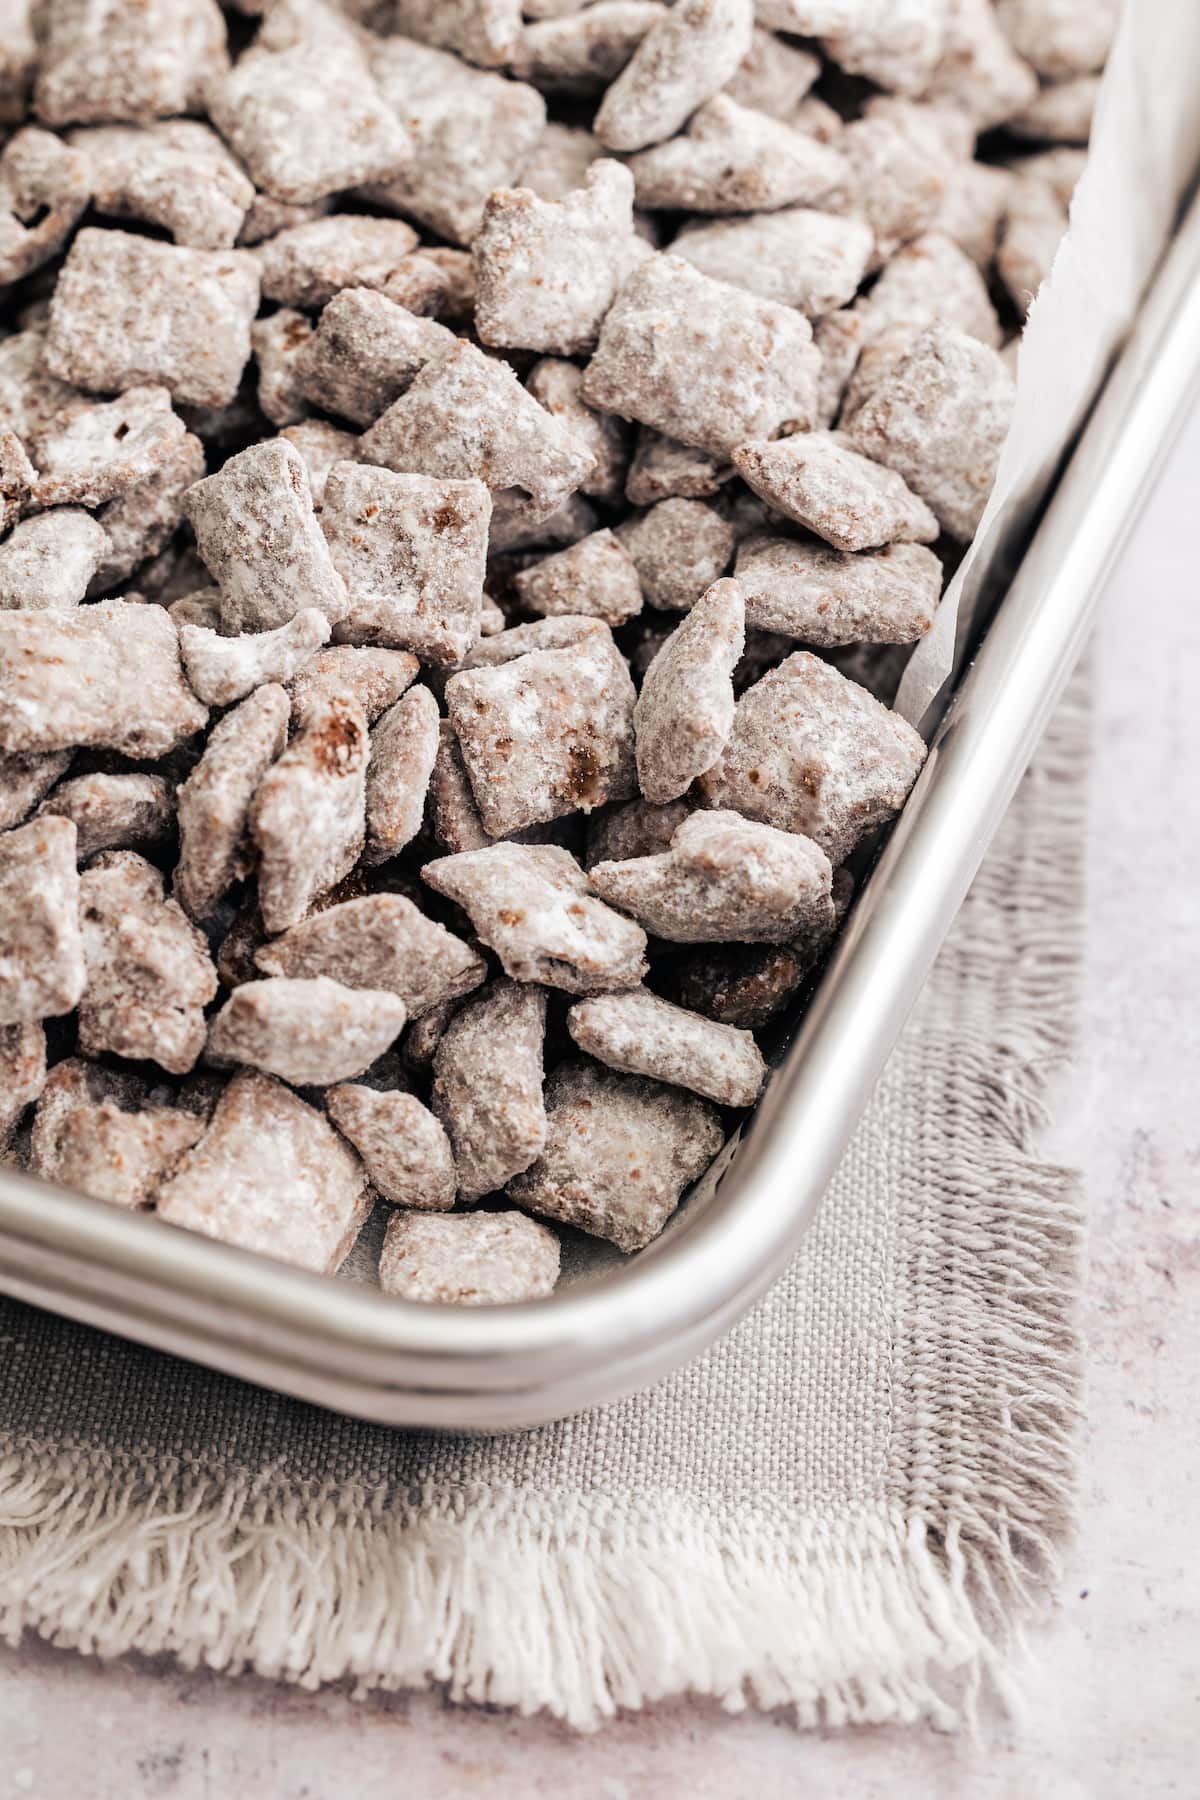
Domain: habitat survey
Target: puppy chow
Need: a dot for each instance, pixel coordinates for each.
(404, 1148)
(487, 1085)
(684, 713)
(467, 1259)
(378, 941)
(639, 1034)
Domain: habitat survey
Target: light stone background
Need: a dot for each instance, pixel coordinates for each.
(1113, 1683)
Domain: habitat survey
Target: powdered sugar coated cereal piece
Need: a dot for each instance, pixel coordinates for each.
(1061, 112)
(814, 753)
(108, 1135)
(1060, 38)
(809, 591)
(484, 31)
(225, 669)
(106, 675)
(91, 454)
(375, 678)
(556, 633)
(404, 747)
(176, 173)
(320, 445)
(22, 1074)
(547, 734)
(308, 816)
(309, 264)
(663, 470)
(149, 974)
(466, 416)
(128, 311)
(25, 778)
(930, 282)
(17, 478)
(453, 815)
(894, 184)
(582, 53)
(271, 1175)
(1035, 223)
(684, 713)
(732, 159)
(30, 397)
(139, 522)
(555, 384)
(619, 1152)
(681, 62)
(379, 941)
(939, 418)
(534, 906)
(365, 352)
(487, 1085)
(468, 1259)
(679, 548)
(309, 1032)
(44, 188)
(114, 812)
(278, 343)
(546, 271)
(214, 801)
(18, 60)
(411, 549)
(256, 530)
(635, 829)
(48, 560)
(702, 361)
(774, 76)
(126, 59)
(469, 131)
(42, 970)
(838, 337)
(404, 1148)
(820, 480)
(898, 46)
(748, 985)
(797, 257)
(639, 1034)
(980, 73)
(596, 577)
(563, 156)
(725, 878)
(266, 215)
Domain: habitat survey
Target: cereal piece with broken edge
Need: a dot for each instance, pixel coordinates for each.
(225, 669)
(42, 968)
(108, 1135)
(534, 906)
(638, 828)
(175, 173)
(309, 1031)
(732, 159)
(582, 53)
(379, 941)
(25, 777)
(214, 802)
(821, 480)
(278, 343)
(93, 453)
(467, 1259)
(271, 1174)
(487, 1085)
(595, 577)
(640, 1034)
(665, 470)
(139, 523)
(620, 1150)
(556, 384)
(404, 747)
(44, 188)
(684, 713)
(404, 1149)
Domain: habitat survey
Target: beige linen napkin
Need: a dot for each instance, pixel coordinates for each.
(843, 1507)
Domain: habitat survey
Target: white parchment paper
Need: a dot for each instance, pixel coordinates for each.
(1145, 147)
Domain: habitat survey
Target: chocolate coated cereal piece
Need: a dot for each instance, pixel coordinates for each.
(596, 577)
(1060, 113)
(639, 1034)
(774, 76)
(484, 31)
(22, 1074)
(1034, 225)
(822, 596)
(404, 747)
(139, 522)
(48, 560)
(44, 188)
(411, 549)
(702, 361)
(301, 110)
(114, 812)
(256, 530)
(684, 713)
(308, 816)
(547, 734)
(404, 1148)
(214, 801)
(379, 941)
(128, 311)
(467, 416)
(556, 384)
(820, 480)
(814, 261)
(732, 159)
(176, 173)
(375, 678)
(309, 264)
(17, 478)
(980, 74)
(858, 758)
(125, 59)
(534, 906)
(582, 53)
(106, 675)
(24, 779)
(679, 548)
(149, 974)
(365, 352)
(1060, 39)
(487, 1085)
(684, 59)
(93, 453)
(42, 969)
(272, 1175)
(469, 131)
(278, 343)
(725, 879)
(619, 1152)
(308, 1032)
(939, 418)
(224, 669)
(931, 282)
(468, 1259)
(546, 271)
(108, 1135)
(663, 470)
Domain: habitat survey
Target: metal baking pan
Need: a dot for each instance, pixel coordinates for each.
(342, 1344)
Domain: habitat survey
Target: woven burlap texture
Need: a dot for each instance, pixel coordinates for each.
(844, 1508)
